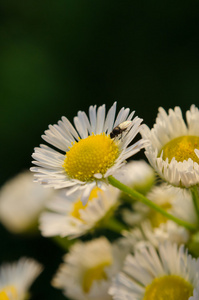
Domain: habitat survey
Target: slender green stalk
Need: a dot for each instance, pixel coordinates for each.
(64, 243)
(115, 225)
(195, 197)
(139, 197)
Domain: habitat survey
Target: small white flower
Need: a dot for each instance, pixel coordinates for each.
(88, 269)
(21, 202)
(170, 273)
(68, 217)
(157, 228)
(17, 277)
(173, 149)
(145, 234)
(87, 154)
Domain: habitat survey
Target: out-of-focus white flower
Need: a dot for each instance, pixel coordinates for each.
(173, 148)
(157, 228)
(68, 216)
(88, 269)
(145, 234)
(21, 202)
(169, 273)
(87, 154)
(138, 175)
(17, 277)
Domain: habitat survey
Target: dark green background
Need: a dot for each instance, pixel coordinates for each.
(58, 57)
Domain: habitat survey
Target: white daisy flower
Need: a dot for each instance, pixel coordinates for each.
(145, 234)
(137, 174)
(87, 154)
(88, 269)
(17, 277)
(156, 227)
(21, 202)
(170, 273)
(173, 149)
(68, 217)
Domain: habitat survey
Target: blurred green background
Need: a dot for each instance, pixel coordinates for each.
(58, 57)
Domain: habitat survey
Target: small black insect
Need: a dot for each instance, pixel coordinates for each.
(119, 129)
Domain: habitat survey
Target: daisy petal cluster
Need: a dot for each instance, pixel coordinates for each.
(173, 146)
(168, 273)
(21, 202)
(88, 269)
(17, 277)
(157, 228)
(69, 217)
(86, 154)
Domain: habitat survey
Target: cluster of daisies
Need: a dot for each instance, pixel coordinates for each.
(84, 189)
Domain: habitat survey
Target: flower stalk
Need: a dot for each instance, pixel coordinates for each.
(139, 197)
(64, 242)
(195, 197)
(115, 225)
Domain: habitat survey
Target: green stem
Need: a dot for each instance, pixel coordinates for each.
(195, 197)
(139, 197)
(115, 225)
(64, 243)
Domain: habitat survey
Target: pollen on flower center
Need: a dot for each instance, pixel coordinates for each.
(95, 154)
(182, 148)
(156, 218)
(95, 273)
(170, 287)
(78, 204)
(8, 292)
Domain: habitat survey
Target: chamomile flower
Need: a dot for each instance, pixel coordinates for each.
(154, 226)
(145, 234)
(169, 273)
(17, 277)
(88, 269)
(148, 225)
(173, 149)
(68, 217)
(176, 201)
(21, 202)
(86, 153)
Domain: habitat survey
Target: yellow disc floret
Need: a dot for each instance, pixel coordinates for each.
(156, 218)
(8, 293)
(78, 204)
(170, 287)
(95, 154)
(96, 273)
(182, 148)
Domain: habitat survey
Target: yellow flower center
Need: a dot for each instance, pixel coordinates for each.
(8, 293)
(92, 274)
(95, 154)
(78, 205)
(156, 218)
(170, 287)
(182, 148)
